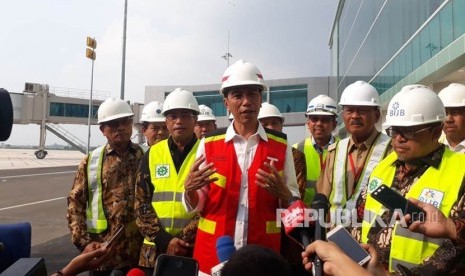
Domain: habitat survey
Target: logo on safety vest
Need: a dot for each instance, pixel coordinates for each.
(432, 197)
(374, 183)
(162, 171)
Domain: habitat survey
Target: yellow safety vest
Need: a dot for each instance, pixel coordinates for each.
(313, 163)
(439, 187)
(338, 196)
(95, 216)
(169, 187)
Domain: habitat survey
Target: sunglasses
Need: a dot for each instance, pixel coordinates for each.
(175, 116)
(113, 124)
(323, 119)
(405, 133)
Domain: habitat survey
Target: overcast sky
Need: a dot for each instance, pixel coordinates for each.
(172, 42)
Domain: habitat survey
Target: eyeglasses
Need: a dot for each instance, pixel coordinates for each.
(323, 119)
(175, 116)
(113, 124)
(405, 133)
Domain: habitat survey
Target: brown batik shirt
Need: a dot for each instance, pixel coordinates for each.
(147, 220)
(119, 175)
(448, 256)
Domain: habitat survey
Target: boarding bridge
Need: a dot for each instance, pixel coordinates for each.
(36, 105)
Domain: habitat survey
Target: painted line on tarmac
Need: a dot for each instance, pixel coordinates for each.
(32, 203)
(36, 174)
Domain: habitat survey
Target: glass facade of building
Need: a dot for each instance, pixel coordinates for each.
(383, 41)
(289, 98)
(72, 110)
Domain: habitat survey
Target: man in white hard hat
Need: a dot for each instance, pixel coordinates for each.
(102, 195)
(351, 160)
(321, 122)
(423, 169)
(270, 117)
(453, 98)
(243, 174)
(153, 125)
(161, 217)
(206, 121)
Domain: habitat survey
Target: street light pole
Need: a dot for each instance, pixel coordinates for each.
(123, 65)
(91, 54)
(227, 55)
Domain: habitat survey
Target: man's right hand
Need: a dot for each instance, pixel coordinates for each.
(198, 178)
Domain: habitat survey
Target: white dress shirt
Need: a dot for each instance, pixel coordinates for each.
(245, 152)
(458, 148)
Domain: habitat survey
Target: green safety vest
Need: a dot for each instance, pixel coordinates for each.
(95, 216)
(439, 187)
(313, 164)
(169, 187)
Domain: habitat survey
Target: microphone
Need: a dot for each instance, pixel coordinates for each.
(224, 250)
(293, 220)
(321, 205)
(136, 272)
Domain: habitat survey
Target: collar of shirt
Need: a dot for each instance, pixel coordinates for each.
(187, 148)
(231, 133)
(111, 151)
(433, 159)
(460, 147)
(318, 148)
(367, 143)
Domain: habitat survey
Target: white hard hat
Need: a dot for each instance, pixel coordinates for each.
(112, 109)
(152, 112)
(414, 105)
(268, 110)
(206, 114)
(322, 105)
(180, 99)
(359, 93)
(240, 73)
(453, 95)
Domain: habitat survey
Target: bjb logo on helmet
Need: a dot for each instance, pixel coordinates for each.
(396, 110)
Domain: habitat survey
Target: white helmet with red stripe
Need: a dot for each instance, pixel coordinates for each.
(242, 73)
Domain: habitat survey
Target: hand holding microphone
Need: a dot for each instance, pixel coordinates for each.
(224, 250)
(321, 205)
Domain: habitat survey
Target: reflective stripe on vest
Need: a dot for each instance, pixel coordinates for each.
(96, 221)
(338, 197)
(312, 160)
(408, 248)
(169, 187)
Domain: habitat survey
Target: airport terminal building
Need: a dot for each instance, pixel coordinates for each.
(389, 44)
(394, 43)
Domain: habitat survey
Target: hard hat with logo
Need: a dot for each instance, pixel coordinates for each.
(152, 112)
(322, 105)
(359, 93)
(268, 110)
(414, 105)
(180, 99)
(112, 109)
(206, 114)
(453, 95)
(240, 73)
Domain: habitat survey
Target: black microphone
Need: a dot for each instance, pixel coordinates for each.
(321, 205)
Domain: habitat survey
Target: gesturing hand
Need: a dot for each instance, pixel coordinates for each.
(272, 182)
(199, 177)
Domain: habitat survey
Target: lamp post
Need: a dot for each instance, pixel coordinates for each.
(91, 54)
(123, 62)
(227, 55)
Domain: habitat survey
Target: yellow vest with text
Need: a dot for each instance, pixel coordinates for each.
(169, 187)
(409, 248)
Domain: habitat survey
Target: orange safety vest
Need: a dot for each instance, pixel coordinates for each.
(218, 218)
